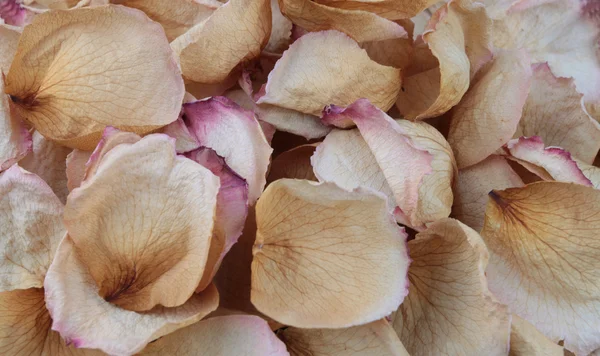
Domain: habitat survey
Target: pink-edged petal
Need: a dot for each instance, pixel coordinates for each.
(235, 135)
(15, 139)
(14, 14)
(31, 220)
(73, 301)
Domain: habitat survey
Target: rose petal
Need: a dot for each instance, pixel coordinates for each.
(142, 224)
(15, 139)
(176, 17)
(184, 140)
(75, 170)
(310, 75)
(376, 338)
(225, 335)
(30, 216)
(473, 185)
(14, 14)
(294, 163)
(72, 300)
(459, 37)
(326, 257)
(281, 30)
(525, 340)
(235, 135)
(488, 115)
(48, 161)
(390, 9)
(220, 44)
(543, 245)
(8, 46)
(111, 138)
(590, 172)
(105, 80)
(554, 111)
(449, 309)
(232, 209)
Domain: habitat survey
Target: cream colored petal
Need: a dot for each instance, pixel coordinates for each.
(9, 38)
(294, 163)
(25, 327)
(73, 301)
(142, 224)
(459, 37)
(175, 16)
(49, 161)
(15, 139)
(281, 30)
(75, 72)
(30, 216)
(555, 112)
(488, 115)
(376, 338)
(75, 169)
(590, 172)
(310, 75)
(390, 9)
(473, 185)
(326, 257)
(449, 309)
(246, 335)
(210, 50)
(526, 340)
(543, 242)
(184, 140)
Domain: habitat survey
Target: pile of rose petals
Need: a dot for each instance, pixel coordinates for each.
(300, 177)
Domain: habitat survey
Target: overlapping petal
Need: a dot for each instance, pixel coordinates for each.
(90, 74)
(8, 46)
(449, 309)
(310, 75)
(281, 30)
(543, 242)
(294, 163)
(526, 340)
(15, 139)
(326, 257)
(393, 10)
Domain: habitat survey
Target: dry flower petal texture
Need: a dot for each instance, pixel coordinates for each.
(142, 224)
(15, 139)
(449, 309)
(326, 257)
(390, 9)
(543, 248)
(78, 71)
(9, 38)
(526, 340)
(294, 163)
(310, 75)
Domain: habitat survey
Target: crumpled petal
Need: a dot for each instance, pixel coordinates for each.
(25, 327)
(310, 75)
(526, 340)
(449, 309)
(90, 75)
(410, 162)
(9, 38)
(390, 9)
(488, 115)
(232, 209)
(15, 139)
(325, 257)
(459, 39)
(49, 161)
(555, 112)
(14, 14)
(376, 338)
(557, 32)
(72, 299)
(234, 134)
(31, 220)
(246, 335)
(219, 43)
(543, 243)
(294, 163)
(143, 223)
(549, 163)
(281, 30)
(175, 16)
(473, 185)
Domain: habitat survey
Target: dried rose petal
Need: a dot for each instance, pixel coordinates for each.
(390, 9)
(15, 139)
(526, 340)
(294, 163)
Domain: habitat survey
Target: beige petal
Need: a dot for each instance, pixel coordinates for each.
(72, 299)
(15, 139)
(294, 163)
(390, 9)
(525, 340)
(281, 30)
(376, 338)
(75, 73)
(310, 75)
(459, 37)
(9, 38)
(488, 115)
(175, 16)
(30, 216)
(210, 50)
(326, 257)
(449, 309)
(555, 112)
(184, 140)
(543, 242)
(590, 172)
(49, 161)
(557, 32)
(473, 185)
(75, 170)
(25, 327)
(246, 335)
(143, 224)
